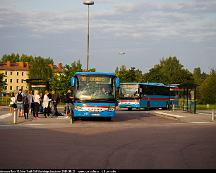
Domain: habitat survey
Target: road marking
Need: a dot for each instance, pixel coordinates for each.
(172, 115)
(33, 124)
(5, 116)
(201, 122)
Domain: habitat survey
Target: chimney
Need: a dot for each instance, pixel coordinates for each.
(27, 65)
(8, 63)
(60, 66)
(20, 64)
(51, 66)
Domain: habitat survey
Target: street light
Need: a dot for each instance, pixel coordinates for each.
(88, 2)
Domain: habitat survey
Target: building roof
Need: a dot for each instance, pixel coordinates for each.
(18, 66)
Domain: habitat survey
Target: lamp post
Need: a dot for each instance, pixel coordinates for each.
(88, 2)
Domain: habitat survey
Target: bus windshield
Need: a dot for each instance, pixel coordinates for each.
(129, 91)
(95, 88)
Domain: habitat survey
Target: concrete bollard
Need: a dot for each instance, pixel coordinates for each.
(14, 116)
(213, 115)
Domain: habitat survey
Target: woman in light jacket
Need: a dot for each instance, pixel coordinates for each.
(36, 99)
(46, 104)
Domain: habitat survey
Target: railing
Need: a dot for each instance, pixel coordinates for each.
(4, 101)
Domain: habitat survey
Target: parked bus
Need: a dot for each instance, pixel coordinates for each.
(95, 94)
(146, 95)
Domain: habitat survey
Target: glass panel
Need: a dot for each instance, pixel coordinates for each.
(129, 91)
(91, 87)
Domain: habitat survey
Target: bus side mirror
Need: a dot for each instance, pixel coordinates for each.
(73, 81)
(117, 82)
(140, 90)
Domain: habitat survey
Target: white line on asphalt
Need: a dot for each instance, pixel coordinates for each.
(5, 116)
(173, 115)
(34, 124)
(201, 122)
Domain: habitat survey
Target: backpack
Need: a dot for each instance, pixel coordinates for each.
(25, 100)
(19, 97)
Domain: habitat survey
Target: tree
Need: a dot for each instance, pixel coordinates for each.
(208, 89)
(130, 75)
(2, 82)
(40, 68)
(12, 58)
(169, 71)
(61, 81)
(198, 80)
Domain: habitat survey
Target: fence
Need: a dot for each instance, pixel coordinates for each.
(4, 101)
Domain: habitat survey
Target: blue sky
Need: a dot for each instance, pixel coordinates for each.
(146, 30)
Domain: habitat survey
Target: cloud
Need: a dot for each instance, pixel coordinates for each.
(194, 20)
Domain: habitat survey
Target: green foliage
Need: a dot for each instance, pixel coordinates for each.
(198, 80)
(16, 58)
(130, 75)
(40, 68)
(61, 81)
(2, 82)
(169, 71)
(208, 89)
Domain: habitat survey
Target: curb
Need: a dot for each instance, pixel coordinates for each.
(168, 115)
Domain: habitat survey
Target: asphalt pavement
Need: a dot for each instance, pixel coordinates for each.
(202, 116)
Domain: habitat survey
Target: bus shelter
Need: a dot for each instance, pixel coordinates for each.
(38, 84)
(188, 97)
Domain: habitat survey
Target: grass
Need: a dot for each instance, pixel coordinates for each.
(206, 107)
(4, 101)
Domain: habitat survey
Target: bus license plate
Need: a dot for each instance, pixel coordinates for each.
(96, 114)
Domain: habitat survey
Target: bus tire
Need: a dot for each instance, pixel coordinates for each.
(108, 118)
(129, 109)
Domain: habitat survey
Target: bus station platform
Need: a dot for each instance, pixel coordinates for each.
(202, 116)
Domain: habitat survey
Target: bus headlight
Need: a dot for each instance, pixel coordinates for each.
(111, 109)
(78, 107)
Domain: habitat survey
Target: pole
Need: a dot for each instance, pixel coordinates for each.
(213, 114)
(14, 115)
(87, 67)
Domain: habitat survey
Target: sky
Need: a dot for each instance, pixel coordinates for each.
(145, 30)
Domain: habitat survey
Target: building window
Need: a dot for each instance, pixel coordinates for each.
(6, 73)
(11, 88)
(17, 73)
(22, 73)
(5, 87)
(6, 80)
(17, 80)
(11, 73)
(11, 80)
(22, 81)
(22, 87)
(17, 88)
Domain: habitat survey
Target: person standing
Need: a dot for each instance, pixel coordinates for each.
(68, 103)
(55, 99)
(19, 102)
(45, 104)
(30, 100)
(12, 102)
(26, 104)
(36, 99)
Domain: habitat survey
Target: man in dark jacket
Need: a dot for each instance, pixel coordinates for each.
(68, 103)
(56, 100)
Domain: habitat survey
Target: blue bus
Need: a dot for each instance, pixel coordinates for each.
(146, 95)
(95, 94)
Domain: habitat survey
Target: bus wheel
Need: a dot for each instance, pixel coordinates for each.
(130, 109)
(109, 118)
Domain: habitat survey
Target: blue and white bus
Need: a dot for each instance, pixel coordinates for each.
(95, 94)
(145, 95)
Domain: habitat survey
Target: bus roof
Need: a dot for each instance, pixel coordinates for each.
(145, 83)
(94, 73)
(149, 84)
